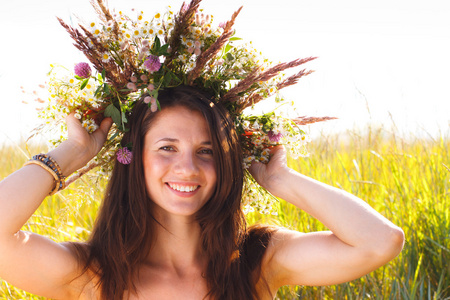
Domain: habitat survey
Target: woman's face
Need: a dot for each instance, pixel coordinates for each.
(178, 161)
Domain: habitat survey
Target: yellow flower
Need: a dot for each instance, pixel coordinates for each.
(271, 90)
(189, 43)
(197, 31)
(265, 152)
(157, 16)
(105, 57)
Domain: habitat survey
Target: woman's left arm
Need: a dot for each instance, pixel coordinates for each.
(359, 241)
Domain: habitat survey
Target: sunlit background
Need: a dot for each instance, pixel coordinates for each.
(386, 61)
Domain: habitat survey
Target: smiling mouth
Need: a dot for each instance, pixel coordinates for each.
(183, 188)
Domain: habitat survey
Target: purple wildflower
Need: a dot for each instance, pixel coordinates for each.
(82, 70)
(274, 137)
(124, 156)
(152, 63)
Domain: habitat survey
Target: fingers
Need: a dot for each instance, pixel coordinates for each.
(263, 172)
(73, 124)
(278, 150)
(105, 125)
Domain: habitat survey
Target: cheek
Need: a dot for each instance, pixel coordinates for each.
(211, 173)
(154, 168)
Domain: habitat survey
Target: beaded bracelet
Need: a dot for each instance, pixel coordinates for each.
(50, 165)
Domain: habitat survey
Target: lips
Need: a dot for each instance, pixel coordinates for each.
(183, 187)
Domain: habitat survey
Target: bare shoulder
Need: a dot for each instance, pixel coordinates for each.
(83, 284)
(85, 287)
(270, 265)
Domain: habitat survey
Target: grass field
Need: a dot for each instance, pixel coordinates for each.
(407, 180)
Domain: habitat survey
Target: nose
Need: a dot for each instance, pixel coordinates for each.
(186, 165)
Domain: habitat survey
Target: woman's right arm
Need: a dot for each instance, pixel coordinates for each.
(29, 261)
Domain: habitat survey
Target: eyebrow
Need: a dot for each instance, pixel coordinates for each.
(172, 140)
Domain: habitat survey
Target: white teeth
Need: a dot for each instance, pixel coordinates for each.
(183, 188)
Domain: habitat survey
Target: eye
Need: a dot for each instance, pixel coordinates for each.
(167, 148)
(207, 151)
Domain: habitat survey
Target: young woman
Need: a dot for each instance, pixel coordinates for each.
(171, 224)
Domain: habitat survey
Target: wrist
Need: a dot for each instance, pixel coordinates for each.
(281, 183)
(70, 157)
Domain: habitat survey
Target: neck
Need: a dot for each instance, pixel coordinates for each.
(177, 243)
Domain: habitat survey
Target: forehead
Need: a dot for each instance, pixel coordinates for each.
(178, 121)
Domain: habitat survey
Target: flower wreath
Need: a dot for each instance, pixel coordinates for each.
(144, 54)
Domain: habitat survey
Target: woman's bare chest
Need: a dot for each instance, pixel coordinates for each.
(161, 285)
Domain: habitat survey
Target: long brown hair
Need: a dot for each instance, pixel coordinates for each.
(122, 235)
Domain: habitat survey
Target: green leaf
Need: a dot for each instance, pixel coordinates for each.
(124, 118)
(235, 39)
(114, 113)
(156, 46)
(163, 50)
(104, 75)
(229, 56)
(227, 48)
(167, 78)
(97, 90)
(79, 78)
(84, 83)
(159, 106)
(175, 77)
(106, 88)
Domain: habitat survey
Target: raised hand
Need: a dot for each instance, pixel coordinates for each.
(90, 143)
(80, 146)
(269, 175)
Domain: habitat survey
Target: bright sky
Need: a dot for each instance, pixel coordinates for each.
(391, 57)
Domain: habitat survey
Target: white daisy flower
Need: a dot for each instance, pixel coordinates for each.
(136, 33)
(92, 26)
(106, 57)
(96, 32)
